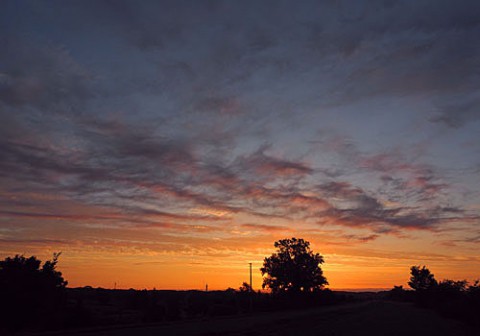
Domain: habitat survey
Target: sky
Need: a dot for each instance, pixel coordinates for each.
(167, 144)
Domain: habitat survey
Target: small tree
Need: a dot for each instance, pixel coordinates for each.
(293, 268)
(245, 288)
(421, 278)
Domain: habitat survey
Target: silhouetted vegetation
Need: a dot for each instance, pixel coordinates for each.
(89, 307)
(34, 296)
(31, 293)
(421, 279)
(245, 287)
(451, 298)
(294, 268)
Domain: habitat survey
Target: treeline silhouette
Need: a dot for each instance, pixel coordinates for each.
(34, 296)
(451, 298)
(98, 306)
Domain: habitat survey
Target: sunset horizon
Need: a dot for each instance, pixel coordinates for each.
(168, 144)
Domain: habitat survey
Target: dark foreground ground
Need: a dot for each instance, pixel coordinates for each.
(363, 318)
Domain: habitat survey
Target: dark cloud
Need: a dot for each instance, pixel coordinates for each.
(458, 111)
(238, 42)
(475, 239)
(400, 170)
(43, 77)
(362, 239)
(159, 110)
(267, 228)
(354, 207)
(266, 167)
(149, 178)
(29, 242)
(116, 165)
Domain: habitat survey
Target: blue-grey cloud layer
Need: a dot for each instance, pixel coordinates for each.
(360, 115)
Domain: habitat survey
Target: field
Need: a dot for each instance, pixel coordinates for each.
(371, 317)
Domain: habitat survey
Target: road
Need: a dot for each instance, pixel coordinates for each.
(357, 319)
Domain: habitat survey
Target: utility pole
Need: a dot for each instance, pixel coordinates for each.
(251, 288)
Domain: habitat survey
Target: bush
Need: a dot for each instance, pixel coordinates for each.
(31, 293)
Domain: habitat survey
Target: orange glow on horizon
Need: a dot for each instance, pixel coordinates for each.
(224, 263)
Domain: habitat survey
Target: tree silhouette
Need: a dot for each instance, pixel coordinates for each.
(245, 288)
(421, 278)
(29, 291)
(293, 268)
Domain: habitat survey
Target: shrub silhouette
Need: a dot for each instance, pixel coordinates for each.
(245, 288)
(421, 278)
(29, 292)
(451, 298)
(294, 268)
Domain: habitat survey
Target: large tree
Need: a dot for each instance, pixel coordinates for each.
(31, 293)
(293, 268)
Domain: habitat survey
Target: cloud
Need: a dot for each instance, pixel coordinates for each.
(149, 178)
(355, 208)
(160, 113)
(457, 111)
(475, 239)
(363, 239)
(265, 167)
(263, 227)
(29, 242)
(137, 171)
(43, 76)
(154, 181)
(240, 47)
(415, 180)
